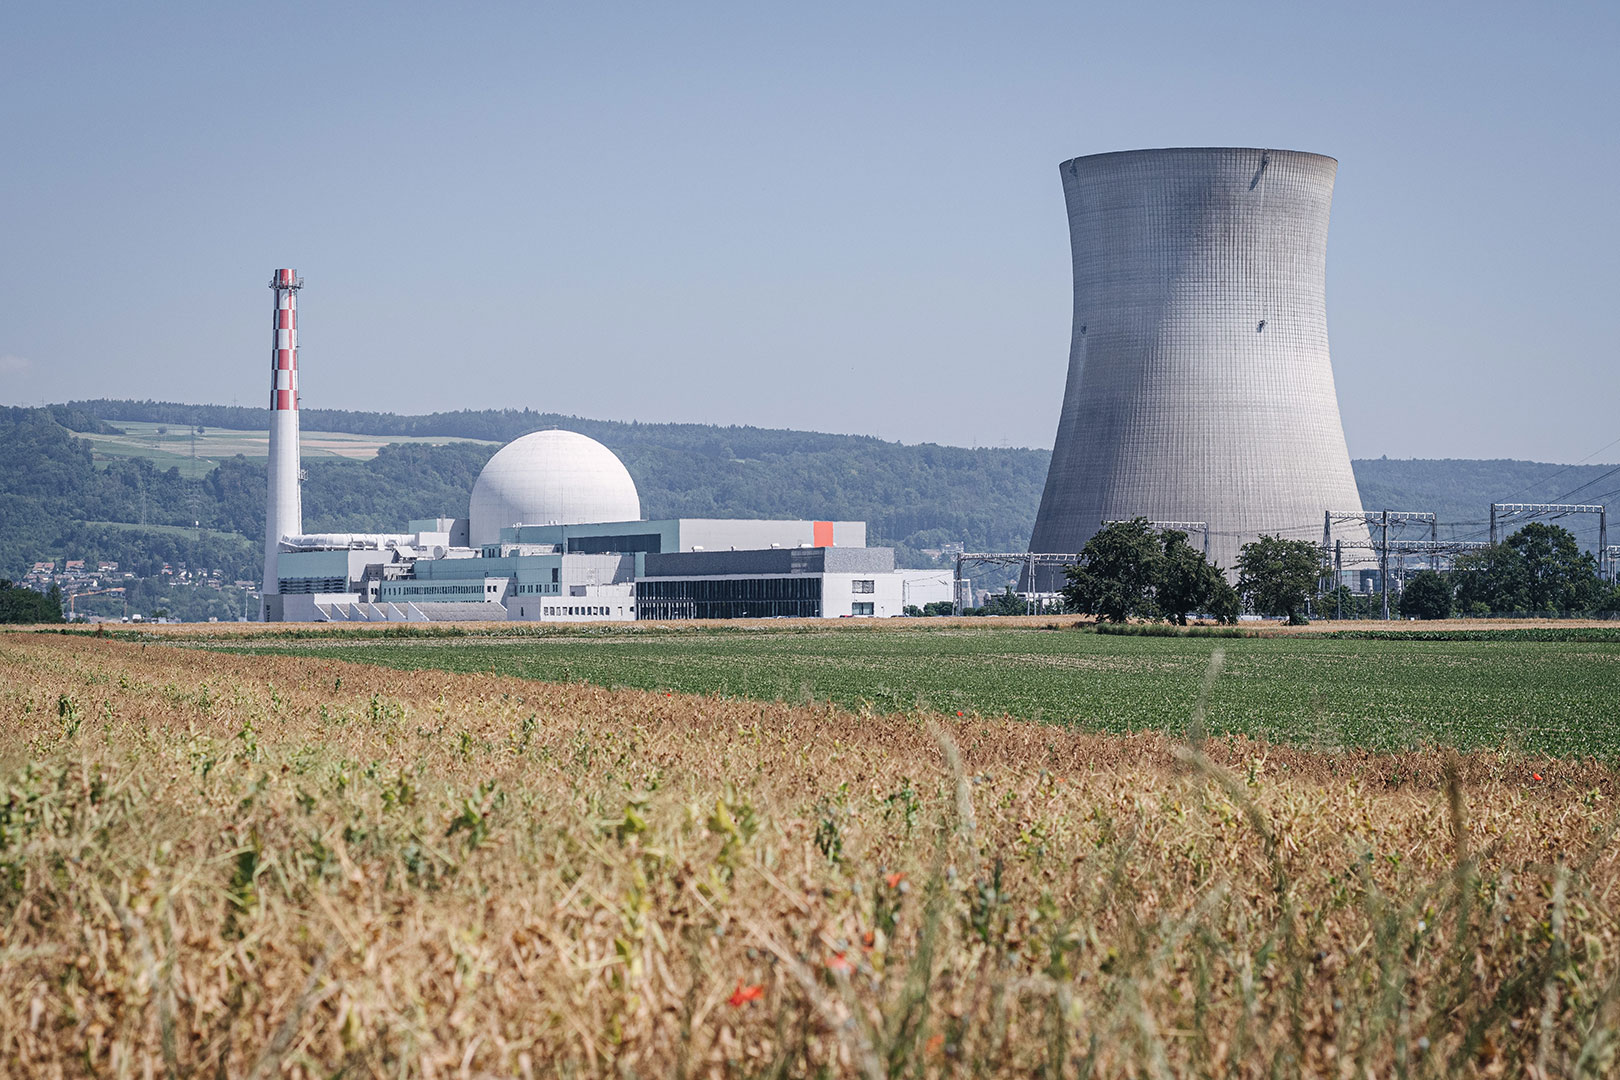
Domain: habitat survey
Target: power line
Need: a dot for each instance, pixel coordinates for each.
(1563, 469)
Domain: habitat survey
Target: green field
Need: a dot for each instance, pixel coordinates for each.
(1555, 698)
(169, 445)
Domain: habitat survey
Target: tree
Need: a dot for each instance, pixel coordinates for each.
(1539, 568)
(1557, 574)
(939, 607)
(1427, 595)
(1278, 576)
(1489, 579)
(1187, 582)
(19, 604)
(1118, 572)
(1224, 604)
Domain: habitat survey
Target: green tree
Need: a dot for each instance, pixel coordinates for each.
(1557, 574)
(1489, 579)
(939, 607)
(1118, 572)
(1427, 595)
(1539, 568)
(1187, 582)
(1224, 604)
(19, 604)
(1278, 577)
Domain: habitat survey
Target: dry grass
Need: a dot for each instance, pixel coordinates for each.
(251, 866)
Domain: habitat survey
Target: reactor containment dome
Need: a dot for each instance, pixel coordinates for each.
(1200, 388)
(550, 478)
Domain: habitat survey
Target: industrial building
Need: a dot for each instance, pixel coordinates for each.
(1200, 387)
(554, 533)
(594, 571)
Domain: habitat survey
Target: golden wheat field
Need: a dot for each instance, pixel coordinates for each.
(237, 866)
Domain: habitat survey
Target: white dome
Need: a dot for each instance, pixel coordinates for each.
(550, 478)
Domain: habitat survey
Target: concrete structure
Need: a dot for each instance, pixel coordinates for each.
(1200, 387)
(284, 513)
(588, 572)
(550, 478)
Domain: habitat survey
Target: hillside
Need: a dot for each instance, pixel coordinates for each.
(1461, 491)
(57, 499)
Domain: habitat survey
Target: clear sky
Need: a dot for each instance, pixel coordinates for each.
(842, 217)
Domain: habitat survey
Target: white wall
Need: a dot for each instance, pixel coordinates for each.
(599, 603)
(838, 595)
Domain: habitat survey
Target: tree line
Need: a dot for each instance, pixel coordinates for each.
(1129, 569)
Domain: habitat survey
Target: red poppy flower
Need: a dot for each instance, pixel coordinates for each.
(744, 994)
(958, 712)
(1536, 775)
(894, 879)
(837, 962)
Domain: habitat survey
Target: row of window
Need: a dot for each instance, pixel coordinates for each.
(305, 586)
(736, 598)
(863, 585)
(615, 545)
(576, 609)
(435, 590)
(731, 589)
(540, 588)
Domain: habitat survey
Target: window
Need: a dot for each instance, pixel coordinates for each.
(867, 585)
(861, 609)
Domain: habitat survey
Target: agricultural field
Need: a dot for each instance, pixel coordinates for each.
(170, 445)
(1546, 697)
(291, 865)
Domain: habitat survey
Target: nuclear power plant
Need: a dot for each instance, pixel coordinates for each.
(1200, 394)
(1200, 389)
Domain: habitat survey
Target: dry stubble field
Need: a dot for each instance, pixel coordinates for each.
(252, 866)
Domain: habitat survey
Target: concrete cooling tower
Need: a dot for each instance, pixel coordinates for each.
(1200, 387)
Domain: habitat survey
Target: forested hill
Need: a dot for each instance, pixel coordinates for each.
(913, 497)
(1460, 491)
(56, 502)
(495, 425)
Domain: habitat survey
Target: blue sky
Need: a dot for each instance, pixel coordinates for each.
(843, 217)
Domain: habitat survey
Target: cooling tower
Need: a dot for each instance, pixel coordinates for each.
(1200, 387)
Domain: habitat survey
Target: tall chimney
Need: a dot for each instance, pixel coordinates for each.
(284, 512)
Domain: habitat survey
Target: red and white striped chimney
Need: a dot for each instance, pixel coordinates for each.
(284, 514)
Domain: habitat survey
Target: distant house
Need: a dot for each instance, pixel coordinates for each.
(105, 567)
(43, 567)
(74, 566)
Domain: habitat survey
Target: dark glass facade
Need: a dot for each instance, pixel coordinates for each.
(796, 597)
(615, 545)
(305, 586)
